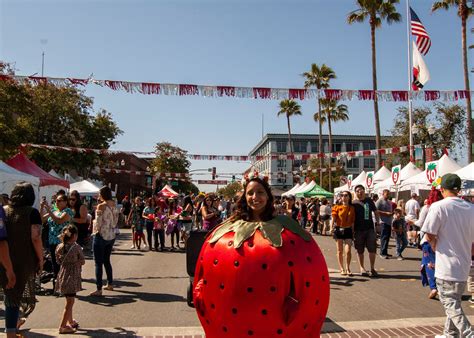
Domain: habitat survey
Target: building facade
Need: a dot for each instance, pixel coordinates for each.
(280, 171)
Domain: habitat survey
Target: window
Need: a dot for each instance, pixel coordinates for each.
(281, 146)
(281, 178)
(369, 163)
(314, 146)
(281, 163)
(353, 163)
(300, 146)
(369, 145)
(352, 146)
(336, 147)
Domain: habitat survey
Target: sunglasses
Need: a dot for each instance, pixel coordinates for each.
(57, 201)
(345, 195)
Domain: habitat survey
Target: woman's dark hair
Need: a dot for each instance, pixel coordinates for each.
(68, 232)
(22, 195)
(324, 201)
(242, 210)
(350, 196)
(78, 203)
(105, 193)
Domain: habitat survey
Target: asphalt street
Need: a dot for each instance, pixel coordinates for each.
(151, 292)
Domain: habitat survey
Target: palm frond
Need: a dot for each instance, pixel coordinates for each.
(440, 5)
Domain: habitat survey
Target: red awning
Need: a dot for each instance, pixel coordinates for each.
(22, 163)
(167, 191)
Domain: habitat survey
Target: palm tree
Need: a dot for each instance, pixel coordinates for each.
(464, 12)
(375, 11)
(319, 77)
(333, 112)
(289, 108)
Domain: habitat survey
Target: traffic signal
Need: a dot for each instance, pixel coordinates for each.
(213, 173)
(233, 178)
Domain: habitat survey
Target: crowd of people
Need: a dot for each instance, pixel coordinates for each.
(442, 229)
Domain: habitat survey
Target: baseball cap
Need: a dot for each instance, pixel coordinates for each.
(451, 182)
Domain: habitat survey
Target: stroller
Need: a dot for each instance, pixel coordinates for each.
(47, 275)
(193, 248)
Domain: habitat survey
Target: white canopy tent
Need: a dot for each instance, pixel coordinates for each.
(420, 181)
(382, 174)
(9, 177)
(290, 192)
(360, 179)
(307, 188)
(302, 187)
(466, 173)
(85, 188)
(407, 171)
(53, 172)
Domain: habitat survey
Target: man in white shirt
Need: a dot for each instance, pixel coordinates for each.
(449, 227)
(412, 212)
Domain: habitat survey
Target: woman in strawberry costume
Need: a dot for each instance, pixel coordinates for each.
(259, 274)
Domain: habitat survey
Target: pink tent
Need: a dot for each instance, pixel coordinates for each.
(22, 163)
(167, 191)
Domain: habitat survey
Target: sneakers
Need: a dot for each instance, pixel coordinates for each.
(400, 258)
(383, 256)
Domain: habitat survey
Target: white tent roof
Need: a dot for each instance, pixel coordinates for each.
(85, 188)
(53, 172)
(301, 187)
(9, 177)
(381, 174)
(307, 188)
(341, 188)
(445, 165)
(407, 171)
(359, 180)
(290, 192)
(466, 173)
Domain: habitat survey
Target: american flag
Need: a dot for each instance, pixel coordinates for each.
(423, 41)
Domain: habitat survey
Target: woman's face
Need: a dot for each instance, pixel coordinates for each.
(208, 201)
(72, 200)
(61, 202)
(256, 197)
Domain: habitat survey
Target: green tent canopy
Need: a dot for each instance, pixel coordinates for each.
(317, 191)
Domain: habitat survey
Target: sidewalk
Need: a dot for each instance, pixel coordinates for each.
(407, 327)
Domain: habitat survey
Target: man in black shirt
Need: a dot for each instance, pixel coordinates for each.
(304, 213)
(364, 229)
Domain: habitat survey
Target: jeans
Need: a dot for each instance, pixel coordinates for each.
(11, 318)
(102, 250)
(450, 294)
(303, 222)
(159, 233)
(385, 238)
(56, 266)
(402, 242)
(149, 232)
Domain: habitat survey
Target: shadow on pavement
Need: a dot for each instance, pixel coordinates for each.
(119, 331)
(331, 326)
(127, 297)
(117, 283)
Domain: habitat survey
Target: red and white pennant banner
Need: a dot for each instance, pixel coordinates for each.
(152, 88)
(336, 155)
(141, 172)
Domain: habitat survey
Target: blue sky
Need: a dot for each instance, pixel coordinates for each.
(266, 43)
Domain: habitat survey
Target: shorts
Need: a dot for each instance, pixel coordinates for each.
(343, 233)
(324, 217)
(365, 239)
(187, 227)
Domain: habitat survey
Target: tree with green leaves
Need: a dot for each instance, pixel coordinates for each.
(230, 190)
(319, 77)
(375, 11)
(172, 159)
(58, 116)
(447, 124)
(289, 108)
(464, 12)
(332, 111)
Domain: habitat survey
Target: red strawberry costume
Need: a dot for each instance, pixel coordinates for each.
(261, 279)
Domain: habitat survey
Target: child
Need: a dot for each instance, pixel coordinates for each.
(70, 257)
(139, 235)
(159, 230)
(400, 228)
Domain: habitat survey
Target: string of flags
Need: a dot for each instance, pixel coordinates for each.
(337, 155)
(268, 93)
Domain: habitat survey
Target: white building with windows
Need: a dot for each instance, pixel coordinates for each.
(275, 144)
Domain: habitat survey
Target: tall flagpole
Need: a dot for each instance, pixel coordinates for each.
(410, 116)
